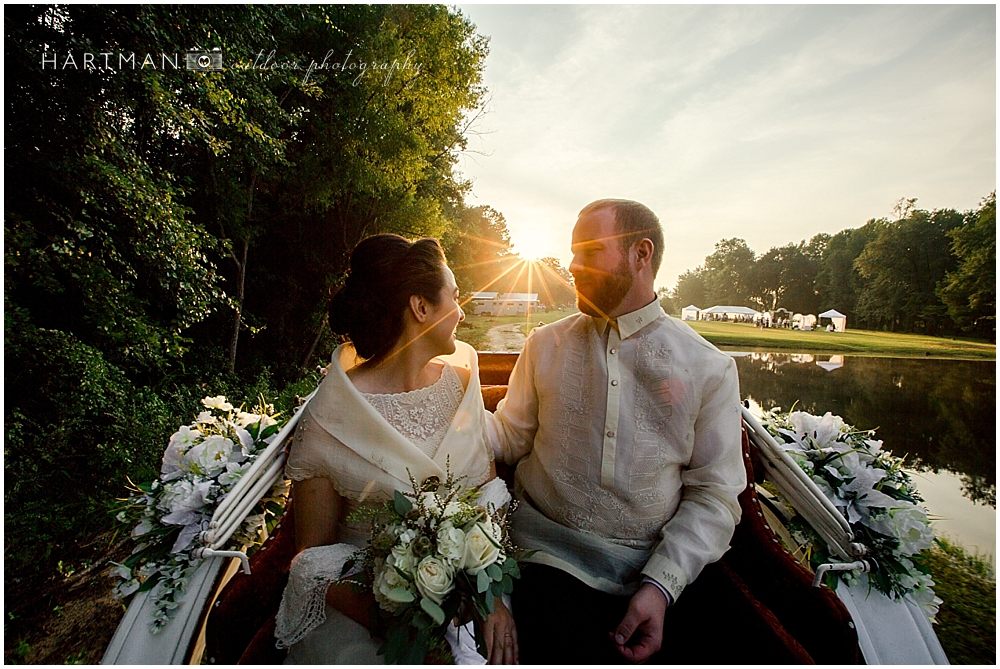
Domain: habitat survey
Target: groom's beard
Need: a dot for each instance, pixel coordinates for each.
(599, 295)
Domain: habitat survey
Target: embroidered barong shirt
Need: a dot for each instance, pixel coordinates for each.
(627, 435)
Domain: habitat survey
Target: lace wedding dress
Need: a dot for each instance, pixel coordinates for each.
(367, 445)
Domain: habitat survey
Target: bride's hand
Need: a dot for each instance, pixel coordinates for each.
(501, 635)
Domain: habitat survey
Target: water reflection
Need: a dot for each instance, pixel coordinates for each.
(940, 414)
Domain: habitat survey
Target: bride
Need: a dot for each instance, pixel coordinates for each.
(404, 399)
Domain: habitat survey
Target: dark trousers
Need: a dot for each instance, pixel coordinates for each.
(560, 620)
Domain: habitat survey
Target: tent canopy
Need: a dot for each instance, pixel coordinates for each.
(832, 313)
(732, 310)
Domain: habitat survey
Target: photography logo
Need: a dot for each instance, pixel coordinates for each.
(200, 60)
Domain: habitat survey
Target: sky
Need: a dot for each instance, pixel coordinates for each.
(767, 123)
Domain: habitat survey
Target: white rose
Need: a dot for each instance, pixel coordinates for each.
(451, 544)
(480, 552)
(208, 458)
(435, 579)
(402, 558)
(180, 442)
(219, 403)
(909, 524)
(234, 471)
(386, 580)
(182, 500)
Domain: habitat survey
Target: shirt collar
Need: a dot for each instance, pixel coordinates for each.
(630, 323)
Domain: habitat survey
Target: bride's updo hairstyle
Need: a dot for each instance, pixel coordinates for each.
(385, 271)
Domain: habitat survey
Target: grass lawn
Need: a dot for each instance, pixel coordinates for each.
(745, 336)
(474, 328)
(967, 620)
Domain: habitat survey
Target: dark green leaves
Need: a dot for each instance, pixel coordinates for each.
(401, 503)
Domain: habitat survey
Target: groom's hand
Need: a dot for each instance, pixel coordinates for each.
(640, 633)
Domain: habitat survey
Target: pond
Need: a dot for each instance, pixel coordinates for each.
(940, 414)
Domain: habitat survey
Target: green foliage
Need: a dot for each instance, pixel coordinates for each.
(966, 621)
(478, 249)
(729, 273)
(924, 272)
(902, 266)
(690, 290)
(969, 291)
(171, 234)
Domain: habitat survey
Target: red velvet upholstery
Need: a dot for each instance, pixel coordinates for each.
(243, 615)
(815, 617)
(792, 621)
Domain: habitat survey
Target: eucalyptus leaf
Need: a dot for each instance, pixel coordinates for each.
(482, 581)
(401, 595)
(494, 572)
(433, 610)
(401, 503)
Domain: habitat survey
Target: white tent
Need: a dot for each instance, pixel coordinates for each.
(839, 319)
(731, 311)
(690, 313)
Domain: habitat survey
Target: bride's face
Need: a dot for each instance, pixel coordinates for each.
(445, 316)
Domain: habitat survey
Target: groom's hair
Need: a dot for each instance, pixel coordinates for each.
(385, 271)
(633, 221)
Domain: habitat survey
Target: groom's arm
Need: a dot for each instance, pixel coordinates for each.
(512, 428)
(700, 530)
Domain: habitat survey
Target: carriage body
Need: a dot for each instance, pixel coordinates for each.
(228, 617)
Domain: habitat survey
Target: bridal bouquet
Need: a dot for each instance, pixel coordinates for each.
(868, 485)
(201, 465)
(438, 553)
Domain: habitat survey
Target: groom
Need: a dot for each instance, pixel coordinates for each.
(625, 425)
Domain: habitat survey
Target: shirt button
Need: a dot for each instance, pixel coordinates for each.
(613, 351)
(614, 383)
(611, 433)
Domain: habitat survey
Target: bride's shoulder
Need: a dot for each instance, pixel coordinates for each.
(464, 375)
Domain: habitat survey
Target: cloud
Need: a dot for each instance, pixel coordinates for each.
(768, 123)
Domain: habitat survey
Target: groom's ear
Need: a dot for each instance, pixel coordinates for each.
(418, 307)
(643, 250)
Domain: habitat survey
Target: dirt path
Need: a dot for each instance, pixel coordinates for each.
(505, 338)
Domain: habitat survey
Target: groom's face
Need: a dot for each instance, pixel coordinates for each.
(600, 266)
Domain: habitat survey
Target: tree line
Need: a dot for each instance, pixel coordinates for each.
(928, 272)
(172, 233)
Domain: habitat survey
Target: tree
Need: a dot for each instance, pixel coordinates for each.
(371, 154)
(902, 267)
(667, 301)
(556, 283)
(690, 289)
(786, 277)
(479, 248)
(838, 281)
(969, 290)
(729, 273)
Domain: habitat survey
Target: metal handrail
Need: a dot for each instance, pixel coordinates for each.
(249, 479)
(802, 492)
(217, 537)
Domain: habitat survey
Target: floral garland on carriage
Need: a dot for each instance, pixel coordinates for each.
(201, 466)
(869, 486)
